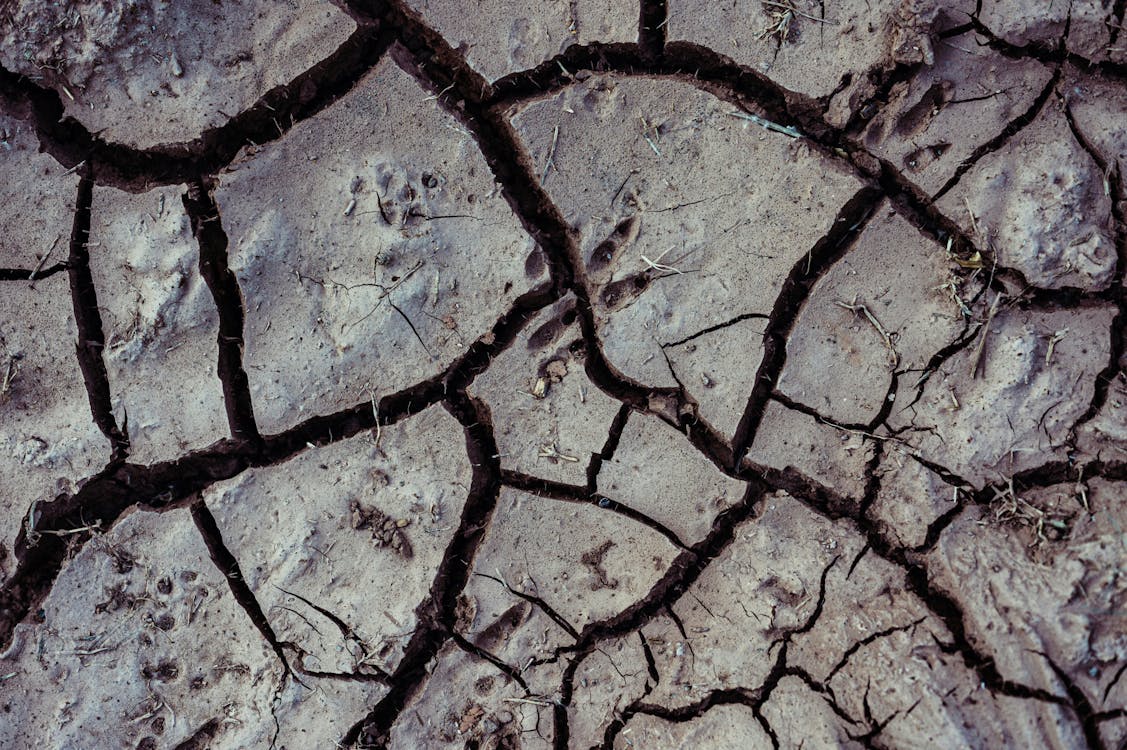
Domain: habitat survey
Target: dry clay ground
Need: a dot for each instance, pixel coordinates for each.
(571, 374)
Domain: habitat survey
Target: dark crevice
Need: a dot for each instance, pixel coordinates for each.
(1053, 473)
(850, 220)
(651, 664)
(436, 613)
(965, 338)
(1047, 52)
(936, 528)
(789, 403)
(873, 480)
(561, 727)
(199, 202)
(653, 17)
(105, 496)
(754, 698)
(949, 477)
(694, 710)
(1114, 681)
(536, 601)
(870, 638)
(227, 564)
(375, 674)
(947, 609)
(201, 738)
(1118, 334)
(718, 327)
(1081, 706)
(278, 110)
(482, 108)
(685, 569)
(474, 650)
(614, 436)
(1012, 128)
(1117, 17)
(30, 274)
(539, 487)
(88, 320)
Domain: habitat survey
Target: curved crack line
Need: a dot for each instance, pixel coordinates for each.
(484, 90)
(1117, 343)
(88, 319)
(228, 565)
(546, 488)
(713, 73)
(537, 601)
(1011, 129)
(376, 675)
(216, 272)
(1047, 53)
(436, 613)
(70, 143)
(104, 497)
(473, 649)
(847, 226)
(614, 437)
(716, 327)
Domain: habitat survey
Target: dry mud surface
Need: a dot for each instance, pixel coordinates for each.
(584, 374)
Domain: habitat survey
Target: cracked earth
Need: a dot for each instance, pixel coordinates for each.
(574, 374)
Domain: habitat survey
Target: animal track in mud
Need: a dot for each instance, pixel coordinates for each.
(657, 375)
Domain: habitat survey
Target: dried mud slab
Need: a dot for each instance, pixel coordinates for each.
(864, 326)
(1041, 203)
(607, 681)
(160, 323)
(580, 559)
(1095, 106)
(730, 727)
(679, 230)
(551, 419)
(359, 531)
(1040, 606)
(765, 585)
(1089, 28)
(355, 257)
(146, 73)
(704, 365)
(500, 38)
(1017, 413)
(789, 439)
(655, 471)
(38, 197)
(1105, 435)
(911, 497)
(48, 443)
(488, 712)
(936, 121)
(140, 638)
